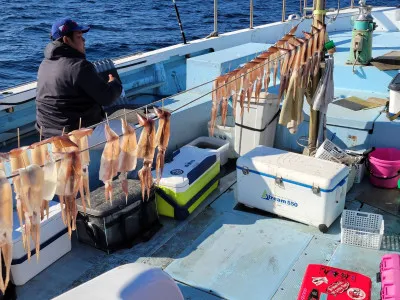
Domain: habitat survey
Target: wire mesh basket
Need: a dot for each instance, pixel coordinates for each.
(362, 229)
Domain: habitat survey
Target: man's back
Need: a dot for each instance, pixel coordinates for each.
(68, 89)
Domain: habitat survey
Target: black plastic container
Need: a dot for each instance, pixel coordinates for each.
(120, 225)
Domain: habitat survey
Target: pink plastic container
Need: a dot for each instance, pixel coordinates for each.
(384, 164)
(390, 285)
(390, 276)
(390, 261)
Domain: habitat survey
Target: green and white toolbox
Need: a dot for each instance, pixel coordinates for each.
(187, 180)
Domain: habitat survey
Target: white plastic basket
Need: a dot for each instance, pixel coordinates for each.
(226, 133)
(329, 151)
(362, 229)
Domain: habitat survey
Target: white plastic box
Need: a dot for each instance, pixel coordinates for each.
(54, 243)
(295, 186)
(220, 147)
(257, 126)
(225, 133)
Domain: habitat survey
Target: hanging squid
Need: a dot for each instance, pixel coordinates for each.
(127, 156)
(69, 175)
(40, 156)
(32, 182)
(215, 105)
(6, 227)
(162, 139)
(109, 161)
(80, 138)
(146, 148)
(19, 159)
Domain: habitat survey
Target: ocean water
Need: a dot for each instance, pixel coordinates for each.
(121, 27)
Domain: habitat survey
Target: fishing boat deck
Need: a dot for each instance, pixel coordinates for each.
(227, 251)
(214, 252)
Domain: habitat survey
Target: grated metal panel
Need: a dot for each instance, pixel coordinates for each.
(319, 251)
(237, 255)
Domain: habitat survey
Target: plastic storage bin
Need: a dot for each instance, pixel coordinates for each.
(390, 261)
(111, 227)
(54, 243)
(390, 289)
(295, 186)
(390, 276)
(257, 126)
(362, 229)
(187, 181)
(226, 133)
(220, 147)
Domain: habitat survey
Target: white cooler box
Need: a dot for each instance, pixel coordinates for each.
(295, 186)
(54, 243)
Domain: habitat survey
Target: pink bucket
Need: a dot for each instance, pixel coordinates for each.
(384, 167)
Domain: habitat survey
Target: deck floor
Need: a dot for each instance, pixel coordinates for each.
(224, 252)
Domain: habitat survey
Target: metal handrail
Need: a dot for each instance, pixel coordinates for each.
(283, 10)
(251, 14)
(215, 16)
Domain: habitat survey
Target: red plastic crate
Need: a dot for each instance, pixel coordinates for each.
(327, 283)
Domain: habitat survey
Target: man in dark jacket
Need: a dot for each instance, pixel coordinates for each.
(68, 86)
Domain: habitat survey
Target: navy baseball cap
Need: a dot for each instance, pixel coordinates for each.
(64, 26)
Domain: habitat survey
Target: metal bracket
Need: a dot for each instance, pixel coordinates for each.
(245, 171)
(316, 189)
(278, 180)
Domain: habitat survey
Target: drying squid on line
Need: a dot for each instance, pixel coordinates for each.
(223, 94)
(267, 77)
(308, 62)
(244, 87)
(32, 181)
(252, 79)
(258, 72)
(61, 146)
(19, 159)
(294, 29)
(314, 56)
(40, 156)
(80, 138)
(238, 89)
(284, 71)
(215, 105)
(162, 139)
(266, 56)
(295, 68)
(6, 226)
(275, 53)
(71, 174)
(232, 90)
(109, 161)
(127, 155)
(321, 43)
(146, 148)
